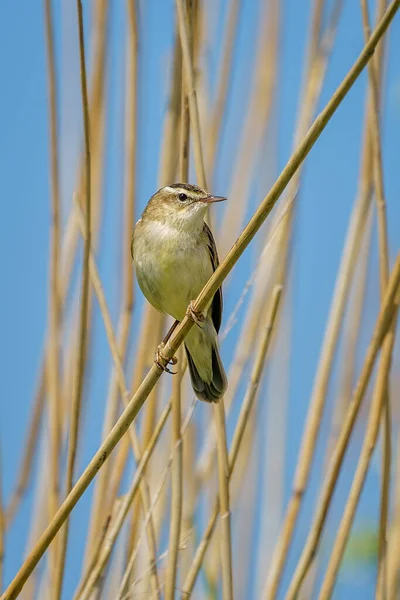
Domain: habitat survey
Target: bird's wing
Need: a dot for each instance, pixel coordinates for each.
(216, 305)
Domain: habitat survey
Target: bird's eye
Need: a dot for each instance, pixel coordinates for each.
(182, 197)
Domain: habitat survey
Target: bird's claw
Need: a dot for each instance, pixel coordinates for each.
(196, 316)
(162, 362)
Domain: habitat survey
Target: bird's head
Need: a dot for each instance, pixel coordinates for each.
(181, 205)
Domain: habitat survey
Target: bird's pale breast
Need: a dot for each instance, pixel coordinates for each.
(172, 266)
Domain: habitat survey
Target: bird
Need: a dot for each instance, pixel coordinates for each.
(175, 254)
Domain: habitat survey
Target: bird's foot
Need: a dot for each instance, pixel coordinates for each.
(162, 362)
(195, 315)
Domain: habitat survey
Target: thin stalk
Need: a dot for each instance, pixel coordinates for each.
(320, 387)
(125, 505)
(31, 445)
(280, 234)
(53, 363)
(382, 323)
(177, 485)
(374, 80)
(200, 304)
(177, 466)
(370, 439)
(351, 333)
(245, 411)
(103, 550)
(188, 69)
(393, 579)
(257, 118)
(125, 320)
(224, 503)
(225, 72)
(121, 381)
(84, 312)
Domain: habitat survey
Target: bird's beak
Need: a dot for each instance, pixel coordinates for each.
(212, 199)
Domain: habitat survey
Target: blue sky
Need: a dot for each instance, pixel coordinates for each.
(327, 195)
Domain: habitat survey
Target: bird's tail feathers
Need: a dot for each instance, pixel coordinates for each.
(213, 390)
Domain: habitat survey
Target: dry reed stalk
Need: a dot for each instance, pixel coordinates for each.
(393, 566)
(125, 318)
(349, 256)
(38, 520)
(201, 302)
(29, 451)
(256, 121)
(67, 259)
(103, 550)
(381, 327)
(176, 484)
(370, 439)
(95, 556)
(273, 431)
(282, 227)
(156, 497)
(351, 331)
(121, 382)
(188, 69)
(244, 509)
(224, 503)
(109, 587)
(321, 382)
(190, 497)
(245, 412)
(67, 255)
(76, 401)
(374, 71)
(176, 409)
(151, 320)
(154, 320)
(53, 355)
(225, 74)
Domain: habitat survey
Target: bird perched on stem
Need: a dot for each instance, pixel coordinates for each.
(175, 255)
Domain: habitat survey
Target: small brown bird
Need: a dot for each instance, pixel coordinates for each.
(175, 254)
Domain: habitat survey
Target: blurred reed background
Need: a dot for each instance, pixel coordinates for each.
(270, 492)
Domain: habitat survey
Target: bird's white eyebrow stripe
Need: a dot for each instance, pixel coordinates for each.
(190, 193)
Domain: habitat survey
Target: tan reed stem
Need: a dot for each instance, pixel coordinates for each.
(214, 131)
(351, 331)
(177, 465)
(53, 366)
(121, 382)
(393, 567)
(281, 228)
(162, 479)
(104, 550)
(124, 324)
(321, 382)
(77, 393)
(29, 451)
(257, 118)
(177, 484)
(383, 322)
(374, 87)
(224, 503)
(188, 69)
(247, 404)
(368, 447)
(201, 302)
